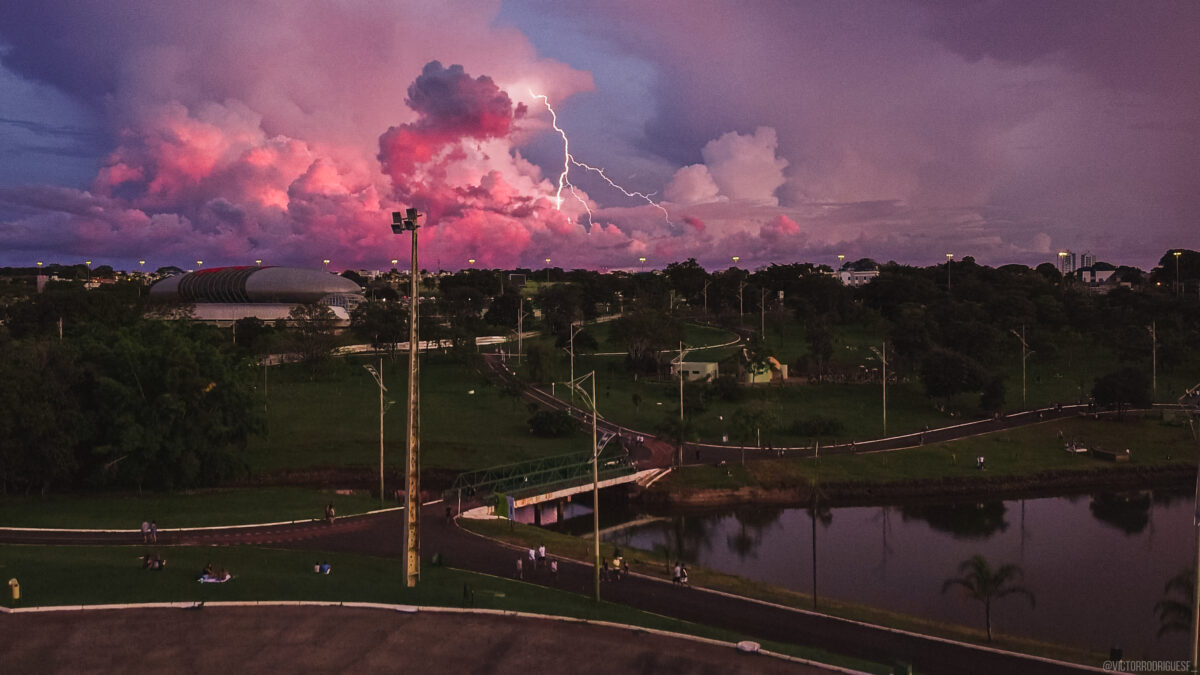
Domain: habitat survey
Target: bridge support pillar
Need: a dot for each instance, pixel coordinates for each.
(558, 510)
(537, 515)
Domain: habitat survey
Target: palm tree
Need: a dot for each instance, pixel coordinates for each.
(982, 583)
(1175, 610)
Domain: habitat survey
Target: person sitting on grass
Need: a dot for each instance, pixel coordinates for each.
(152, 561)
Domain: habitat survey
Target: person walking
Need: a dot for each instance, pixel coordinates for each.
(541, 556)
(145, 531)
(520, 574)
(677, 573)
(153, 532)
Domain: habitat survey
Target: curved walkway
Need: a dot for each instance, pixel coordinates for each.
(380, 534)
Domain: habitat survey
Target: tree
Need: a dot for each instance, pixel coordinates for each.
(819, 338)
(384, 324)
(646, 332)
(980, 582)
(946, 373)
(1124, 388)
(312, 333)
(552, 423)
(1175, 610)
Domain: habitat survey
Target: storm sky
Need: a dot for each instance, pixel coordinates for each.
(288, 130)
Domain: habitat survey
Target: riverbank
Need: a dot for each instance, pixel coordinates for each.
(1017, 462)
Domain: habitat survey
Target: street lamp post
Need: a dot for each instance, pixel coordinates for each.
(642, 264)
(762, 310)
(1178, 284)
(1153, 359)
(402, 222)
(378, 375)
(574, 331)
(89, 268)
(547, 270)
(1024, 357)
(705, 292)
(326, 263)
(949, 259)
(883, 362)
(258, 261)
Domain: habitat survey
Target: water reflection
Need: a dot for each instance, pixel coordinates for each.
(1098, 564)
(978, 520)
(1127, 512)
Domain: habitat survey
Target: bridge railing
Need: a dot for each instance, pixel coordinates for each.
(535, 474)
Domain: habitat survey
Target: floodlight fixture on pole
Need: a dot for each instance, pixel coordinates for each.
(841, 260)
(1024, 355)
(949, 259)
(326, 263)
(39, 265)
(547, 270)
(258, 261)
(591, 401)
(408, 222)
(882, 355)
(199, 264)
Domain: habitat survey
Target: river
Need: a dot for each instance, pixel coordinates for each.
(1097, 564)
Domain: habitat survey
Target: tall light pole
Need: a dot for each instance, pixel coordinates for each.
(547, 270)
(378, 375)
(949, 259)
(883, 361)
(1024, 355)
(520, 327)
(705, 292)
(402, 222)
(258, 261)
(199, 264)
(682, 353)
(841, 261)
(577, 385)
(642, 264)
(89, 268)
(741, 310)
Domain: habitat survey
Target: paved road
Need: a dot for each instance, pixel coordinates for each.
(351, 640)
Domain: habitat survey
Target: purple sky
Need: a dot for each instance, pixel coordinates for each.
(232, 130)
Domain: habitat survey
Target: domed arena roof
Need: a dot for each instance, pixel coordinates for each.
(252, 284)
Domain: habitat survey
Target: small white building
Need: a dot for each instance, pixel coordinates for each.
(695, 370)
(856, 278)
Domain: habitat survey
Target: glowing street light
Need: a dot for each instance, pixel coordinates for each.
(841, 260)
(471, 262)
(736, 258)
(199, 264)
(642, 264)
(258, 261)
(39, 265)
(1178, 286)
(326, 262)
(949, 259)
(395, 261)
(547, 270)
(89, 266)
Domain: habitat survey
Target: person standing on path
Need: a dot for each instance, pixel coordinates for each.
(541, 556)
(153, 532)
(520, 574)
(145, 531)
(676, 573)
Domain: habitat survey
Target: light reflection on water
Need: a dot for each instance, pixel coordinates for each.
(1097, 565)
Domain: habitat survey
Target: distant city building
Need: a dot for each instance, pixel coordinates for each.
(1087, 259)
(1067, 263)
(225, 294)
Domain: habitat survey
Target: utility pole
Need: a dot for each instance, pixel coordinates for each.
(595, 480)
(574, 331)
(402, 222)
(705, 292)
(762, 309)
(520, 329)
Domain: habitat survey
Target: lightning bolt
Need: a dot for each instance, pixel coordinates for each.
(564, 178)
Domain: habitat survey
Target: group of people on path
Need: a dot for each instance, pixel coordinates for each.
(679, 575)
(536, 560)
(149, 532)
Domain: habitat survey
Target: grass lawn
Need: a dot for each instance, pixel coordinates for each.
(1024, 451)
(654, 563)
(199, 508)
(333, 421)
(66, 575)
